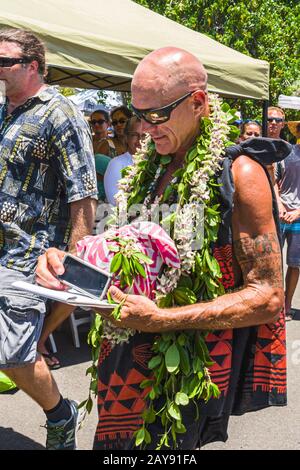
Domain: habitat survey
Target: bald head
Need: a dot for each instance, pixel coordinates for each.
(169, 72)
(166, 76)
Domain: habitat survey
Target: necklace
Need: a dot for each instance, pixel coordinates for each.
(180, 373)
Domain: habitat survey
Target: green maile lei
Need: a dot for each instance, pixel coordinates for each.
(180, 364)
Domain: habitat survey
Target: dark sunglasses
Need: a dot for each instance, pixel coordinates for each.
(115, 122)
(157, 116)
(97, 121)
(10, 61)
(275, 119)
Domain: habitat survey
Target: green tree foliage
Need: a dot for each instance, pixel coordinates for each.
(264, 29)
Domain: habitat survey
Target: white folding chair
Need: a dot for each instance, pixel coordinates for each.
(52, 343)
(85, 317)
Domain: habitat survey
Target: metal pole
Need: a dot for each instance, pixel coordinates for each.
(265, 118)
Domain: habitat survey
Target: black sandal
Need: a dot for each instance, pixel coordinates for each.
(49, 357)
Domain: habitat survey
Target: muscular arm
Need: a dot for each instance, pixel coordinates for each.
(257, 251)
(82, 219)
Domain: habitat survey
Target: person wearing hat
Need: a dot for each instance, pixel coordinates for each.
(287, 174)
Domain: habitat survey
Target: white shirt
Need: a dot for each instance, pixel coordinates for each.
(113, 175)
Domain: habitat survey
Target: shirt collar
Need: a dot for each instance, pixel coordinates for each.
(46, 94)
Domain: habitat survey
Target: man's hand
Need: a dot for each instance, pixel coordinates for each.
(48, 267)
(138, 312)
(290, 217)
(281, 210)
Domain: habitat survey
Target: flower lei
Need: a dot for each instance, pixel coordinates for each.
(181, 359)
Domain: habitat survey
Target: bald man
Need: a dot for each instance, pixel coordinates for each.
(244, 322)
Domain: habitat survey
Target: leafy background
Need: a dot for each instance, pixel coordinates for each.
(263, 29)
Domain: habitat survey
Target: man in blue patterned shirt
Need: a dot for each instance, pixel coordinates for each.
(47, 198)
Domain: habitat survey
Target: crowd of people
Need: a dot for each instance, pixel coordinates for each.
(53, 170)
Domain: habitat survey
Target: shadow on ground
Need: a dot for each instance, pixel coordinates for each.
(67, 353)
(10, 439)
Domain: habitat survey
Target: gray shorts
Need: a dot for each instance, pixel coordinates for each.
(21, 321)
(291, 234)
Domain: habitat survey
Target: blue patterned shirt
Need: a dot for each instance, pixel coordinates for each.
(46, 163)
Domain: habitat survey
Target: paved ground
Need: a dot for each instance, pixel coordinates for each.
(273, 428)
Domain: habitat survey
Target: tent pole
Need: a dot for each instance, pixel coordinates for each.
(265, 118)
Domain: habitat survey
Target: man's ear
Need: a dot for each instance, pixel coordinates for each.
(34, 66)
(200, 103)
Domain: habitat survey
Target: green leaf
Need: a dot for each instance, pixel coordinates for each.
(174, 411)
(184, 360)
(172, 358)
(168, 336)
(140, 436)
(146, 383)
(180, 428)
(197, 365)
(182, 339)
(191, 167)
(116, 263)
(149, 416)
(125, 265)
(154, 362)
(181, 399)
(89, 405)
(147, 437)
(140, 269)
(165, 159)
(166, 301)
(184, 296)
(185, 281)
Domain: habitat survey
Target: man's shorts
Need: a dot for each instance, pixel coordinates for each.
(291, 234)
(21, 321)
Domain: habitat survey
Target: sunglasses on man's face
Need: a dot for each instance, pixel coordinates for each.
(10, 61)
(97, 121)
(277, 120)
(157, 116)
(115, 122)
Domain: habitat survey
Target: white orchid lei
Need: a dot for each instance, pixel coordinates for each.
(181, 359)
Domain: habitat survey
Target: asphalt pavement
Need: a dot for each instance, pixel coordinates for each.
(21, 420)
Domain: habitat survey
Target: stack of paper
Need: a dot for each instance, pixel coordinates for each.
(70, 296)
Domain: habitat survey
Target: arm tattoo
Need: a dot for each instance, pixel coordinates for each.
(260, 259)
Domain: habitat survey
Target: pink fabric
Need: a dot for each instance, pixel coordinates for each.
(150, 239)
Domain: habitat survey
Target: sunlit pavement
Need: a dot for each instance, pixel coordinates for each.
(272, 428)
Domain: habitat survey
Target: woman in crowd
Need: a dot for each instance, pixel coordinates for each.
(118, 144)
(250, 129)
(99, 121)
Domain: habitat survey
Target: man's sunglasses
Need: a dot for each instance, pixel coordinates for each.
(277, 120)
(98, 121)
(115, 122)
(157, 116)
(10, 61)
